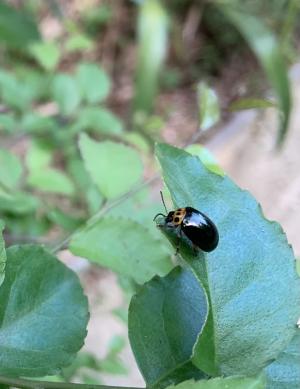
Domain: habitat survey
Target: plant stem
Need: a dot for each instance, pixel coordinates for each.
(33, 384)
(107, 207)
(197, 136)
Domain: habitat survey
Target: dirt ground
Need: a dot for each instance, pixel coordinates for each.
(245, 150)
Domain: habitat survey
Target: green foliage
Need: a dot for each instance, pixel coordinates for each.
(206, 158)
(152, 35)
(38, 156)
(18, 96)
(18, 202)
(113, 167)
(124, 246)
(221, 383)
(78, 42)
(52, 181)
(99, 120)
(266, 292)
(227, 313)
(66, 93)
(47, 54)
(17, 28)
(2, 255)
(250, 104)
(43, 313)
(93, 82)
(52, 137)
(165, 319)
(209, 109)
(111, 363)
(266, 48)
(10, 170)
(284, 373)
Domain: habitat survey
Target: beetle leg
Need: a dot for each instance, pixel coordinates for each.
(178, 242)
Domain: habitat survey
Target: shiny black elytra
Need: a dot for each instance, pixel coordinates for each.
(195, 225)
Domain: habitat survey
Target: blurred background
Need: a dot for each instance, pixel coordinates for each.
(88, 84)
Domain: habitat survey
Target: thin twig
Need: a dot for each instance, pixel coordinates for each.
(33, 384)
(95, 218)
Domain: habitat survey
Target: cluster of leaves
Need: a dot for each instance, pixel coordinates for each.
(52, 137)
(226, 319)
(225, 27)
(223, 319)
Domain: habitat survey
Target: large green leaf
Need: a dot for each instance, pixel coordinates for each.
(123, 246)
(223, 383)
(266, 48)
(17, 29)
(152, 48)
(250, 279)
(10, 169)
(93, 82)
(165, 319)
(113, 167)
(43, 313)
(2, 254)
(284, 373)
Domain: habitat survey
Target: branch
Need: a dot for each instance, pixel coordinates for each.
(33, 384)
(107, 207)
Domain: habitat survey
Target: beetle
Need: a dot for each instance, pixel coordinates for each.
(193, 224)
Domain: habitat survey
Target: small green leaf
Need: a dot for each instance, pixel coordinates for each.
(124, 246)
(165, 319)
(47, 54)
(137, 140)
(2, 254)
(10, 169)
(15, 93)
(65, 220)
(26, 226)
(266, 48)
(78, 42)
(52, 181)
(113, 167)
(250, 278)
(113, 365)
(284, 373)
(38, 156)
(242, 104)
(8, 122)
(18, 202)
(223, 383)
(43, 313)
(35, 123)
(209, 109)
(116, 345)
(66, 93)
(152, 49)
(206, 158)
(98, 120)
(93, 82)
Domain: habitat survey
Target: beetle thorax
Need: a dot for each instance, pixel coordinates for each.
(178, 216)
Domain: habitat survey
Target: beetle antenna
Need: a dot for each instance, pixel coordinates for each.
(163, 201)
